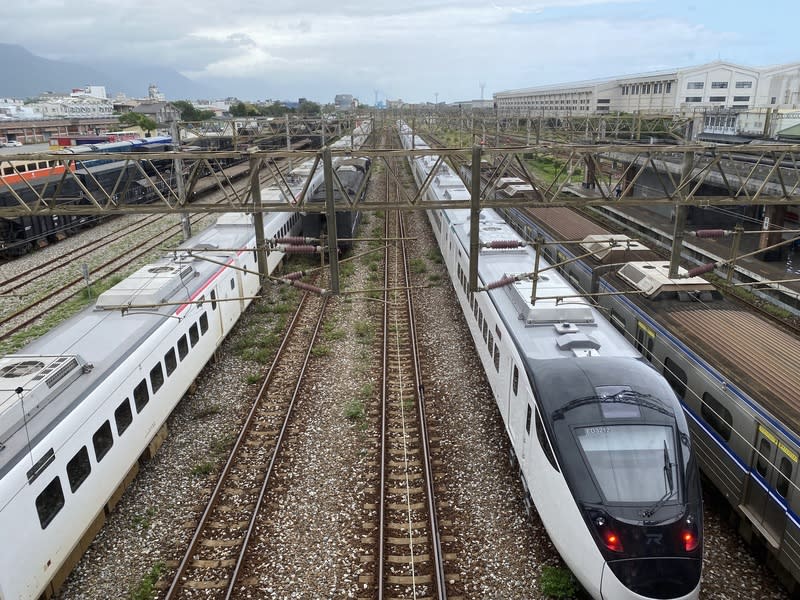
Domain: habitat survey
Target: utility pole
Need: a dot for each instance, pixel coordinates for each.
(186, 224)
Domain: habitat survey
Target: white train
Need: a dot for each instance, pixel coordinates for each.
(600, 437)
(81, 404)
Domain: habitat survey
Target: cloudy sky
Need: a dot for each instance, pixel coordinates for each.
(409, 49)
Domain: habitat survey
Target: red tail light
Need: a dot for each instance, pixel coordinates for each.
(690, 541)
(612, 541)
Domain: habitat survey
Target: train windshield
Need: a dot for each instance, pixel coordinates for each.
(631, 463)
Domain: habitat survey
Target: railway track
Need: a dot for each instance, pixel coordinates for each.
(212, 563)
(64, 291)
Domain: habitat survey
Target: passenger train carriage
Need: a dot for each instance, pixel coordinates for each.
(81, 404)
(601, 440)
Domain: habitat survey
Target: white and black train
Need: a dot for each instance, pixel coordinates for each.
(601, 440)
(81, 404)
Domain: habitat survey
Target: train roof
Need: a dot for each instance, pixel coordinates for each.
(49, 377)
(558, 324)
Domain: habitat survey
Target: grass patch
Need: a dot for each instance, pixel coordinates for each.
(145, 590)
(202, 469)
(418, 266)
(365, 331)
(321, 350)
(330, 333)
(558, 582)
(434, 278)
(354, 410)
(207, 411)
(144, 521)
(434, 256)
(253, 378)
(222, 446)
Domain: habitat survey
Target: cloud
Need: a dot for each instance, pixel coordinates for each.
(410, 49)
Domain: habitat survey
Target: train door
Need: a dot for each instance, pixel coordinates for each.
(774, 465)
(645, 339)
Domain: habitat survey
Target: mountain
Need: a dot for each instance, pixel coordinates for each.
(26, 75)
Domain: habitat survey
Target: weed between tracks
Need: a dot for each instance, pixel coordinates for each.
(146, 588)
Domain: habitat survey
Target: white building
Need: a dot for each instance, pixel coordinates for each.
(73, 107)
(90, 91)
(715, 86)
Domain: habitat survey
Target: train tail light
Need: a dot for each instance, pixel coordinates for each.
(690, 540)
(612, 541)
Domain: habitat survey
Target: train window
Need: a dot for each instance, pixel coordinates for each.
(490, 343)
(78, 469)
(497, 333)
(764, 449)
(480, 319)
(785, 468)
(156, 377)
(528, 420)
(716, 415)
(544, 442)
(497, 357)
(203, 323)
(183, 347)
(170, 361)
(475, 310)
(676, 377)
(213, 300)
(485, 329)
(102, 440)
(617, 321)
(233, 285)
(515, 380)
(194, 335)
(141, 396)
(49, 502)
(123, 416)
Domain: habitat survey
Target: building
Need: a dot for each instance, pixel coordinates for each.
(91, 91)
(344, 102)
(73, 107)
(161, 112)
(713, 87)
(472, 104)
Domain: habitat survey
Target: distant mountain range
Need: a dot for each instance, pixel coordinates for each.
(25, 75)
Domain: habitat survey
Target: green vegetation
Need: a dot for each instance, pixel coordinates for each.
(202, 469)
(330, 333)
(276, 109)
(144, 521)
(558, 582)
(146, 588)
(190, 113)
(418, 266)
(207, 411)
(365, 331)
(253, 378)
(354, 410)
(547, 168)
(748, 296)
(143, 122)
(321, 350)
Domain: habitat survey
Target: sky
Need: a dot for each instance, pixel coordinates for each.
(413, 50)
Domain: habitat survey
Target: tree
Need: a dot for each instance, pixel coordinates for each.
(190, 113)
(139, 120)
(306, 107)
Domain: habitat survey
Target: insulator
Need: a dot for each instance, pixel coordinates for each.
(301, 249)
(294, 275)
(711, 233)
(293, 240)
(701, 269)
(500, 282)
(505, 244)
(308, 287)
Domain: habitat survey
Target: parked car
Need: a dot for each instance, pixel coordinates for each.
(12, 144)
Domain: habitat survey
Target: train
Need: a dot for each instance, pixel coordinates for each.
(600, 438)
(26, 180)
(353, 174)
(734, 371)
(81, 404)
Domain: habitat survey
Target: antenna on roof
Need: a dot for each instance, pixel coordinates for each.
(482, 84)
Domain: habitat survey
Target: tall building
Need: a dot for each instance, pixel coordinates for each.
(344, 102)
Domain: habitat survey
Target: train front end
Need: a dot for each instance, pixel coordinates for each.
(625, 448)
